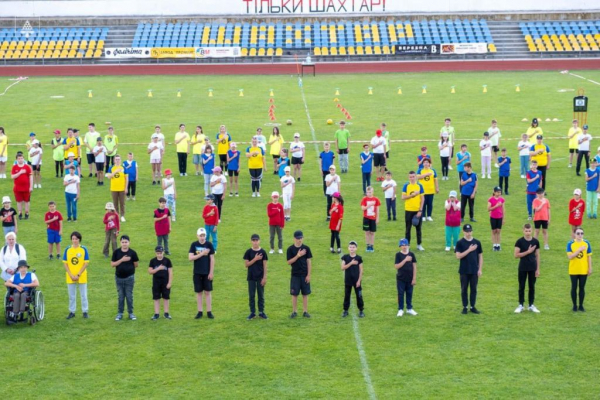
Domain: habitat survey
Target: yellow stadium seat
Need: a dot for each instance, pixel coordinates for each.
(24, 54)
(40, 54)
(51, 45)
(32, 54)
(28, 45)
(333, 51)
(386, 50)
(532, 47)
(4, 45)
(324, 27)
(75, 44)
(288, 41)
(298, 34)
(317, 51)
(59, 45)
(64, 53)
(307, 27)
(12, 45)
(262, 28)
(368, 50)
(48, 53)
(252, 53)
(492, 48)
(36, 45)
(359, 50)
(16, 54)
(67, 44)
(288, 27)
(244, 52)
(8, 54)
(270, 52)
(89, 53)
(342, 51)
(72, 53)
(2, 52)
(279, 52)
(83, 44)
(307, 41)
(20, 45)
(98, 53)
(261, 52)
(324, 51)
(377, 49)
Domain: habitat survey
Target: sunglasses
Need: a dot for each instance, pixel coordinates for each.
(579, 233)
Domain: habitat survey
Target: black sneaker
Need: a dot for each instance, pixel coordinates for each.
(69, 219)
(294, 314)
(473, 220)
(50, 257)
(262, 315)
(574, 308)
(155, 317)
(328, 219)
(306, 314)
(86, 315)
(209, 314)
(475, 311)
(199, 315)
(251, 316)
(167, 315)
(345, 314)
(71, 315)
(581, 309)
(299, 179)
(20, 215)
(168, 253)
(74, 219)
(154, 182)
(90, 175)
(361, 314)
(58, 256)
(465, 311)
(506, 192)
(26, 215)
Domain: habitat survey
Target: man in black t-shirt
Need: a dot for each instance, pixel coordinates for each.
(255, 260)
(299, 257)
(352, 265)
(406, 277)
(470, 253)
(161, 270)
(125, 261)
(527, 250)
(202, 253)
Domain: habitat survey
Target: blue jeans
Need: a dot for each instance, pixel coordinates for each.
(391, 208)
(427, 205)
(592, 203)
(71, 205)
(171, 204)
(207, 183)
(211, 232)
(8, 229)
(530, 198)
(125, 291)
(404, 287)
(524, 164)
(366, 181)
(452, 233)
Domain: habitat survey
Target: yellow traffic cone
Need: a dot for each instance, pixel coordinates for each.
(336, 100)
(399, 90)
(424, 90)
(179, 93)
(484, 88)
(518, 88)
(210, 93)
(337, 91)
(119, 93)
(150, 93)
(271, 93)
(241, 92)
(370, 90)
(452, 90)
(90, 94)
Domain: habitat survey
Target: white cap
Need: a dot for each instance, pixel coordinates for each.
(201, 231)
(35, 142)
(154, 136)
(577, 191)
(452, 193)
(5, 199)
(296, 134)
(287, 169)
(275, 194)
(109, 206)
(71, 154)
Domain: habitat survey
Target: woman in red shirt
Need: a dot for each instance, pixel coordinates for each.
(576, 211)
(335, 223)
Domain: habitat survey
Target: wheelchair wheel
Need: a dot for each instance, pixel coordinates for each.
(5, 307)
(38, 306)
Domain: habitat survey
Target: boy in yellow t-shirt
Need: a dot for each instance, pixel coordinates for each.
(428, 179)
(118, 184)
(223, 139)
(182, 141)
(3, 153)
(573, 136)
(76, 259)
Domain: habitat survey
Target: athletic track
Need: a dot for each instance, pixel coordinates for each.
(291, 68)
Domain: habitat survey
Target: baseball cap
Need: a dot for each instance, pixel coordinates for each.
(452, 193)
(217, 169)
(540, 190)
(23, 263)
(31, 134)
(403, 242)
(159, 249)
(275, 194)
(99, 139)
(233, 144)
(255, 237)
(287, 169)
(534, 121)
(298, 235)
(5, 199)
(71, 154)
(109, 206)
(168, 172)
(201, 231)
(352, 242)
(336, 195)
(585, 127)
(209, 197)
(332, 167)
(486, 133)
(539, 137)
(154, 136)
(378, 132)
(296, 134)
(57, 131)
(35, 142)
(497, 189)
(577, 191)
(467, 228)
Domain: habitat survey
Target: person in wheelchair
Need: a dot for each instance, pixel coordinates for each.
(20, 286)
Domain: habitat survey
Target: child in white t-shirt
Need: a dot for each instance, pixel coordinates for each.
(35, 158)
(485, 145)
(155, 149)
(389, 190)
(99, 151)
(297, 150)
(523, 147)
(288, 189)
(495, 136)
(169, 192)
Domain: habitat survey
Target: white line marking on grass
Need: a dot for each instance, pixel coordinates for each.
(363, 359)
(584, 78)
(310, 124)
(9, 86)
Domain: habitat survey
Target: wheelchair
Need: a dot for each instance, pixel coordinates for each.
(34, 308)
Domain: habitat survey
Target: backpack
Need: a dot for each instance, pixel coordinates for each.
(16, 247)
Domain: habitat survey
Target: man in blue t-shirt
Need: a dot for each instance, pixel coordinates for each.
(504, 172)
(325, 161)
(592, 178)
(468, 189)
(366, 166)
(534, 179)
(462, 157)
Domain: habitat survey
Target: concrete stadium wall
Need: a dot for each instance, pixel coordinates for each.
(261, 8)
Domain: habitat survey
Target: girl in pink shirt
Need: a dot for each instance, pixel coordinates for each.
(452, 206)
(496, 209)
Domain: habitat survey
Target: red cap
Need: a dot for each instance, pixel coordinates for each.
(57, 131)
(378, 133)
(168, 172)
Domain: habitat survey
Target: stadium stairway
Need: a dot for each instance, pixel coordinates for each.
(509, 40)
(119, 36)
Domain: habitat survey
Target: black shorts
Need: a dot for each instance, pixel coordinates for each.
(496, 223)
(378, 160)
(91, 159)
(369, 225)
(275, 156)
(202, 283)
(159, 289)
(495, 149)
(574, 151)
(343, 151)
(233, 173)
(297, 161)
(298, 286)
(540, 224)
(387, 154)
(99, 166)
(36, 167)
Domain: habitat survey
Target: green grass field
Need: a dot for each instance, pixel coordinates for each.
(438, 354)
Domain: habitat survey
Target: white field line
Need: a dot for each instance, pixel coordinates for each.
(363, 359)
(584, 78)
(310, 124)
(9, 86)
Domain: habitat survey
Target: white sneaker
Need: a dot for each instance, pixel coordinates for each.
(253, 194)
(450, 167)
(411, 312)
(35, 185)
(421, 248)
(429, 219)
(122, 219)
(39, 185)
(519, 309)
(533, 309)
(280, 251)
(173, 219)
(400, 313)
(257, 194)
(424, 219)
(522, 176)
(447, 249)
(546, 247)
(271, 251)
(570, 165)
(489, 176)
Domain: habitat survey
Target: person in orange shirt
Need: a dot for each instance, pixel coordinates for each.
(541, 215)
